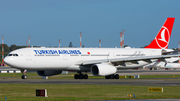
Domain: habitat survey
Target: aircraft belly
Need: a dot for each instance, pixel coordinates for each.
(78, 68)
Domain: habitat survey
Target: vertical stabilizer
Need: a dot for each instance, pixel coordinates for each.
(162, 39)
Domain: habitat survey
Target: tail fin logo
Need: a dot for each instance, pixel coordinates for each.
(162, 39)
(163, 36)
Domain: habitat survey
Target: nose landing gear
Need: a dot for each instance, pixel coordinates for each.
(24, 76)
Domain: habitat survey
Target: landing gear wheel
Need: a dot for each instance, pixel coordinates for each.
(116, 76)
(107, 77)
(80, 76)
(85, 76)
(112, 76)
(76, 76)
(24, 76)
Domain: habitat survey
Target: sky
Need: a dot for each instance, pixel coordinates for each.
(47, 21)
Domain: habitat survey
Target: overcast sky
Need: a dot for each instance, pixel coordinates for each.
(47, 21)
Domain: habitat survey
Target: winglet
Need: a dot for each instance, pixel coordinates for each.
(162, 39)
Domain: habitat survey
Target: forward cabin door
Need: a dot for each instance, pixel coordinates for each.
(64, 57)
(28, 56)
(64, 60)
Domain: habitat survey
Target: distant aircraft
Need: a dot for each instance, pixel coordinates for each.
(167, 66)
(170, 63)
(98, 61)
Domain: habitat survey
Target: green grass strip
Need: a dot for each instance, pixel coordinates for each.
(68, 92)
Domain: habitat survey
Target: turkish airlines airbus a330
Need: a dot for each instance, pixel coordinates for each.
(98, 61)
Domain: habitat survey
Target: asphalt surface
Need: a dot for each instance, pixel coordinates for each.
(155, 82)
(6, 68)
(159, 82)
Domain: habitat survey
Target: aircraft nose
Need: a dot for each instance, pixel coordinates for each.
(7, 60)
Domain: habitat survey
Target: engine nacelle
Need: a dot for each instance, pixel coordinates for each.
(103, 69)
(49, 73)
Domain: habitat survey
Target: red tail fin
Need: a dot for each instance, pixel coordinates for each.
(161, 41)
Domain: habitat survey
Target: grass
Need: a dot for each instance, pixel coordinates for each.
(160, 76)
(70, 92)
(26, 92)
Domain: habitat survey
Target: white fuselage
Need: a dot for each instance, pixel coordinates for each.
(69, 58)
(168, 65)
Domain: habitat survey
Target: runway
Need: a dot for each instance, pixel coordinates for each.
(148, 82)
(144, 82)
(7, 68)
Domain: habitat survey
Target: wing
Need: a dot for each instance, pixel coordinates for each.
(129, 59)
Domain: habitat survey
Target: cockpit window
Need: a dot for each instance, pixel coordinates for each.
(13, 55)
(10, 55)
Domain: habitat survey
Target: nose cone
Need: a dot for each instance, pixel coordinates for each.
(8, 61)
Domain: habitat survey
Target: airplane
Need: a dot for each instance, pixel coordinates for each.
(167, 66)
(98, 61)
(164, 65)
(170, 63)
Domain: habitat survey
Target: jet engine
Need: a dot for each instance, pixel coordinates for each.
(103, 69)
(49, 73)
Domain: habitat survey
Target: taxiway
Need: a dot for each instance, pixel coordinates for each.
(153, 81)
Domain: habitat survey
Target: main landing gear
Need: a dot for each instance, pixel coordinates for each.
(113, 76)
(80, 76)
(24, 76)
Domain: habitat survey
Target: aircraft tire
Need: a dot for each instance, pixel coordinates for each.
(116, 76)
(85, 76)
(112, 76)
(107, 77)
(80, 76)
(76, 76)
(24, 76)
